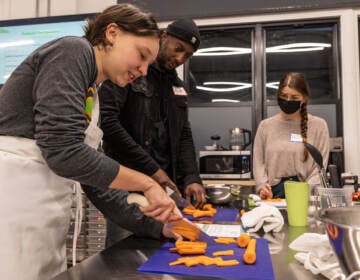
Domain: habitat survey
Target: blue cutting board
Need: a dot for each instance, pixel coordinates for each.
(262, 269)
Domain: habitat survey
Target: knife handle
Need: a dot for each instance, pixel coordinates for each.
(138, 199)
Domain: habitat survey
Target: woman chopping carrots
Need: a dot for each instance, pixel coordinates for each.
(49, 137)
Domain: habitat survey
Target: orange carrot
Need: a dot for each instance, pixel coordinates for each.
(207, 206)
(190, 232)
(182, 243)
(204, 260)
(206, 211)
(225, 240)
(210, 261)
(189, 248)
(204, 222)
(176, 262)
(249, 256)
(242, 211)
(202, 213)
(188, 211)
(223, 253)
(191, 262)
(227, 263)
(243, 240)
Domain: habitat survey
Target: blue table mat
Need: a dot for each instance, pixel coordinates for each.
(262, 269)
(222, 215)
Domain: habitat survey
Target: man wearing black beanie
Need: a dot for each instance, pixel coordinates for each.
(146, 128)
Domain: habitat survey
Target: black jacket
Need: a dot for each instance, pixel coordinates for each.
(129, 117)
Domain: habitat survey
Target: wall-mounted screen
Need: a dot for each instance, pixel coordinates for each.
(18, 38)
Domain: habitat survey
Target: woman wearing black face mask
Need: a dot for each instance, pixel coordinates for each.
(279, 152)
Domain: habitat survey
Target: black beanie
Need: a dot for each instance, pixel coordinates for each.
(185, 30)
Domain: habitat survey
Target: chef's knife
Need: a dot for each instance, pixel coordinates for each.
(181, 202)
(182, 223)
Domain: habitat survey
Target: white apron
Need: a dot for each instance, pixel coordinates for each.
(35, 208)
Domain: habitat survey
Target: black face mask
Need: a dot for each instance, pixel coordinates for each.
(288, 107)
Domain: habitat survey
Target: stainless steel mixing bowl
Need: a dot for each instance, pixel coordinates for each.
(343, 229)
(218, 193)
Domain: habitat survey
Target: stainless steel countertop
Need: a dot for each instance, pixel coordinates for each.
(121, 260)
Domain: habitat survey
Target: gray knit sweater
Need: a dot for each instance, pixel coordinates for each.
(44, 99)
(277, 152)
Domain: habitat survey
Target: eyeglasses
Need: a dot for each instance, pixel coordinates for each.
(291, 97)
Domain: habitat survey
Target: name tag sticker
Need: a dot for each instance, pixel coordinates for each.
(294, 137)
(179, 91)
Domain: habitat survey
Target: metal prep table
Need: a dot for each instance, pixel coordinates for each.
(122, 260)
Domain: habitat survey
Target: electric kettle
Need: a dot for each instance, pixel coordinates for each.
(240, 138)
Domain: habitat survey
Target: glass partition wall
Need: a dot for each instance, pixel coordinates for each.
(233, 77)
(219, 77)
(312, 50)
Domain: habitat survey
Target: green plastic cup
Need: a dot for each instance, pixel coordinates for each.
(297, 202)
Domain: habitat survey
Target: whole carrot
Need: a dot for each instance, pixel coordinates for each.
(249, 256)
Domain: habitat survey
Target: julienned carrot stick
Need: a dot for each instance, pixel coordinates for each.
(224, 253)
(193, 251)
(249, 256)
(204, 260)
(182, 228)
(189, 248)
(225, 240)
(202, 213)
(203, 222)
(190, 244)
(206, 211)
(227, 263)
(243, 240)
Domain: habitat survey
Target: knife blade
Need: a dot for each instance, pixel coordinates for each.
(180, 202)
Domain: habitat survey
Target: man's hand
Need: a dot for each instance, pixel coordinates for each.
(163, 180)
(198, 192)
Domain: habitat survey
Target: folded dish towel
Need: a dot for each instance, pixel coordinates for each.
(316, 254)
(265, 216)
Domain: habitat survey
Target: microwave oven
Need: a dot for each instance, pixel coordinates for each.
(225, 164)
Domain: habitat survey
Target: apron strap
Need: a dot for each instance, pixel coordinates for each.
(78, 220)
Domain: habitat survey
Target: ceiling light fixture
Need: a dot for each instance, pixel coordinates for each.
(274, 85)
(225, 100)
(298, 47)
(295, 47)
(217, 51)
(238, 86)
